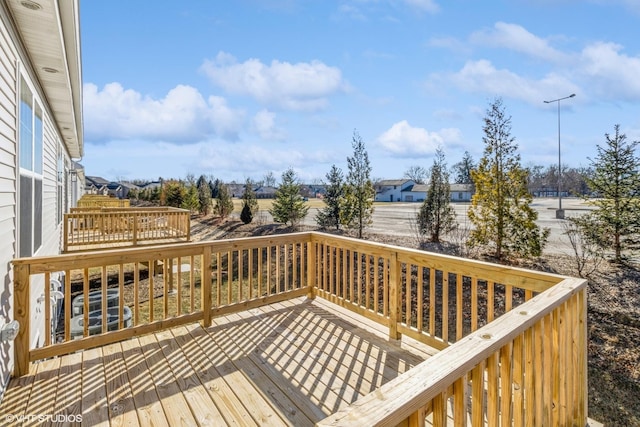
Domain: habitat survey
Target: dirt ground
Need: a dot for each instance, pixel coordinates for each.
(614, 299)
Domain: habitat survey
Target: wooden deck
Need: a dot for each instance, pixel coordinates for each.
(289, 363)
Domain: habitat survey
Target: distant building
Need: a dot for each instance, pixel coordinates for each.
(461, 192)
(390, 190)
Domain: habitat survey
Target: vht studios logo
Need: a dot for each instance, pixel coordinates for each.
(41, 418)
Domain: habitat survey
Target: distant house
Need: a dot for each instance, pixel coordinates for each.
(313, 190)
(235, 189)
(114, 189)
(415, 193)
(265, 192)
(96, 185)
(390, 190)
(462, 192)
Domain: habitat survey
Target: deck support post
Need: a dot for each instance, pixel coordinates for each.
(312, 248)
(21, 298)
(205, 286)
(394, 296)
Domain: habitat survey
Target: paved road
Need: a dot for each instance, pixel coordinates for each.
(398, 218)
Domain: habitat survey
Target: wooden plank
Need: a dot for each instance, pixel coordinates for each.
(201, 404)
(307, 374)
(95, 407)
(113, 336)
(121, 403)
(394, 298)
(45, 385)
(373, 327)
(148, 407)
(68, 402)
(460, 402)
(506, 384)
(518, 381)
(176, 409)
(21, 301)
(205, 355)
(445, 306)
(16, 397)
(205, 284)
(477, 395)
(353, 354)
(268, 383)
(261, 412)
(493, 385)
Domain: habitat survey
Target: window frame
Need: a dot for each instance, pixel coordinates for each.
(30, 164)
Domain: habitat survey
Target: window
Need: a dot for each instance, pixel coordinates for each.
(30, 184)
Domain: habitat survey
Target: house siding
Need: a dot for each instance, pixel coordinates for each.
(12, 66)
(8, 190)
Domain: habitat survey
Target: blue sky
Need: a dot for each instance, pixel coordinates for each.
(236, 89)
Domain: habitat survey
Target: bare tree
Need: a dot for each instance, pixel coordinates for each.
(416, 173)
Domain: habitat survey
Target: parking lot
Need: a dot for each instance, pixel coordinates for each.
(399, 219)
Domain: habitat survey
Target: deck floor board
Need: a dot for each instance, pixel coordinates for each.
(289, 363)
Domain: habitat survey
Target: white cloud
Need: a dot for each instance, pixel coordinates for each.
(302, 86)
(426, 5)
(611, 74)
(181, 116)
(404, 140)
(517, 38)
(264, 124)
(482, 77)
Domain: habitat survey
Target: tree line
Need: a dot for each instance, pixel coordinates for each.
(503, 223)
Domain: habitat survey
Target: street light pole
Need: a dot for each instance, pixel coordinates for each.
(559, 211)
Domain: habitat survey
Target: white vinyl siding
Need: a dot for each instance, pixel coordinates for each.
(8, 188)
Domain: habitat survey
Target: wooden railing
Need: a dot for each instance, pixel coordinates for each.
(157, 288)
(100, 201)
(497, 364)
(91, 228)
(526, 368)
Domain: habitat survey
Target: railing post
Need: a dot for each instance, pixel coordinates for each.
(21, 301)
(312, 248)
(583, 356)
(394, 296)
(65, 233)
(186, 224)
(205, 286)
(135, 228)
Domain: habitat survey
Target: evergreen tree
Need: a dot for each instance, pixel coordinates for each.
(249, 203)
(224, 203)
(359, 191)
(204, 195)
(249, 197)
(173, 193)
(330, 215)
(436, 215)
(214, 186)
(462, 169)
(616, 183)
(190, 200)
(501, 206)
(245, 215)
(288, 206)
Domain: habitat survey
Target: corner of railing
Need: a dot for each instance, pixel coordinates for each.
(21, 313)
(312, 248)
